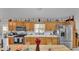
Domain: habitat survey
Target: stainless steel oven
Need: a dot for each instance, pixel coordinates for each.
(18, 39)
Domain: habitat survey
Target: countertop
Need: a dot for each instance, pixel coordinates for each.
(38, 36)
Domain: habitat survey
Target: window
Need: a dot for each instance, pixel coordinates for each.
(39, 28)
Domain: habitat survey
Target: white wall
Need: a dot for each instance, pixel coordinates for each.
(36, 12)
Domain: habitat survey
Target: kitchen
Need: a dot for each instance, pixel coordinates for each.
(23, 26)
(51, 33)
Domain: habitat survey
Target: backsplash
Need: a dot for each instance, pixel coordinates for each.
(33, 33)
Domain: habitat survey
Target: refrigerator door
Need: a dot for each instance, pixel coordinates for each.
(66, 39)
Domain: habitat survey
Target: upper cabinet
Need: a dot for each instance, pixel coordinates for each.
(10, 25)
(13, 26)
(29, 26)
(50, 26)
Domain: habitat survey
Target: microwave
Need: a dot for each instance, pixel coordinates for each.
(20, 28)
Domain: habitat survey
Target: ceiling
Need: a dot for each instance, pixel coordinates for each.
(38, 12)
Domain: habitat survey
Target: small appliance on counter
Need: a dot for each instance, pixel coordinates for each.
(12, 33)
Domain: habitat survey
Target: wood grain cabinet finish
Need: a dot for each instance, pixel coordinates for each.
(29, 26)
(55, 41)
(10, 26)
(44, 40)
(10, 39)
(14, 26)
(50, 26)
(31, 40)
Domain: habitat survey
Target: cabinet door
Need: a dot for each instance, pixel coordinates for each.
(27, 39)
(55, 41)
(54, 26)
(10, 26)
(31, 26)
(43, 41)
(31, 40)
(49, 26)
(18, 23)
(14, 26)
(27, 26)
(10, 40)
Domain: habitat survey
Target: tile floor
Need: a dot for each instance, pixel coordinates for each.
(42, 47)
(75, 49)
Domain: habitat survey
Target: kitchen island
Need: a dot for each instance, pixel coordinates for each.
(45, 39)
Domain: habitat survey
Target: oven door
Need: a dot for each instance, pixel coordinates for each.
(18, 40)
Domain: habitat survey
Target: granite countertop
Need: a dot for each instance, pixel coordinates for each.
(32, 34)
(40, 36)
(37, 36)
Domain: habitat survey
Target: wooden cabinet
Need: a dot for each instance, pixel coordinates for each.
(19, 23)
(10, 26)
(14, 26)
(77, 42)
(10, 39)
(48, 40)
(31, 40)
(55, 40)
(29, 26)
(52, 40)
(44, 40)
(50, 26)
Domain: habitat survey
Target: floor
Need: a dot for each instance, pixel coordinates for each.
(42, 48)
(75, 49)
(45, 48)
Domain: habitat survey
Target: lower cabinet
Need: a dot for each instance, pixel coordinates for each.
(44, 40)
(55, 41)
(10, 39)
(48, 40)
(31, 40)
